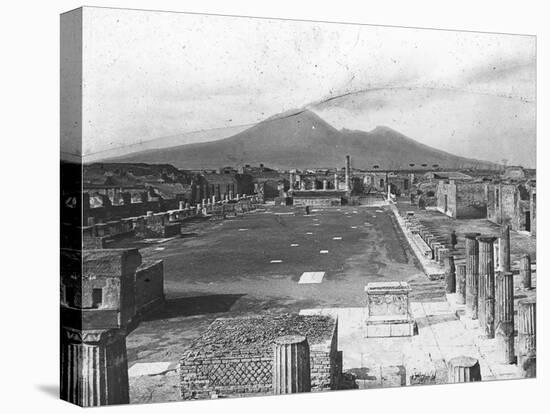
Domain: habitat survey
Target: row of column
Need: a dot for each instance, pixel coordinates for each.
(489, 298)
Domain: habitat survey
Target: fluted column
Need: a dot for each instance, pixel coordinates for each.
(527, 338)
(504, 249)
(461, 283)
(486, 303)
(504, 316)
(472, 279)
(94, 367)
(291, 366)
(525, 271)
(463, 369)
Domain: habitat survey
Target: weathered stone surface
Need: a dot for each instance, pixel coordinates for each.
(291, 369)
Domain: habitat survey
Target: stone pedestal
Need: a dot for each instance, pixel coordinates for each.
(291, 365)
(525, 271)
(504, 317)
(527, 338)
(388, 310)
(94, 367)
(472, 278)
(486, 303)
(463, 369)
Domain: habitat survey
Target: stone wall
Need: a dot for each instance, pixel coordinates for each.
(470, 201)
(149, 286)
(513, 204)
(233, 357)
(319, 198)
(461, 200)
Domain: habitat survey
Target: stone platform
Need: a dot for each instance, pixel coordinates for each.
(418, 359)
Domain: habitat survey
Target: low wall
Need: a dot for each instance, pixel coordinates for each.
(161, 224)
(233, 357)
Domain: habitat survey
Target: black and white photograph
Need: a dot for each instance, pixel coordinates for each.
(277, 209)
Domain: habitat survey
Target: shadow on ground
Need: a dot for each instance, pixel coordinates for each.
(196, 305)
(51, 390)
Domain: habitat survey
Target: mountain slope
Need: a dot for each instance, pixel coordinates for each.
(301, 139)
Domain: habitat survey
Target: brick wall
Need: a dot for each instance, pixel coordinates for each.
(234, 356)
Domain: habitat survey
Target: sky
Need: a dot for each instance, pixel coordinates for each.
(154, 79)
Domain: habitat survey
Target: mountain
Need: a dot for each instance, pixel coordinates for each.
(301, 139)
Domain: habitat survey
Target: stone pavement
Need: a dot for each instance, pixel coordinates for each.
(420, 359)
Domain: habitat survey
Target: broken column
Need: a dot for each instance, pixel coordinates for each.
(504, 316)
(504, 249)
(486, 303)
(525, 271)
(291, 365)
(463, 369)
(461, 283)
(450, 273)
(527, 338)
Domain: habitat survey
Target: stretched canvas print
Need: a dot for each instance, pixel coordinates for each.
(255, 206)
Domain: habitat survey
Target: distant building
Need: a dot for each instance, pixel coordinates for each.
(513, 204)
(461, 200)
(514, 173)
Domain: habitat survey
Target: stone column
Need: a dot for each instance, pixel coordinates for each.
(463, 369)
(525, 271)
(94, 367)
(486, 303)
(347, 172)
(527, 338)
(291, 179)
(504, 249)
(336, 181)
(450, 274)
(302, 185)
(181, 205)
(461, 283)
(291, 366)
(325, 185)
(504, 317)
(314, 184)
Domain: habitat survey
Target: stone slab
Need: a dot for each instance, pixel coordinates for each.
(311, 277)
